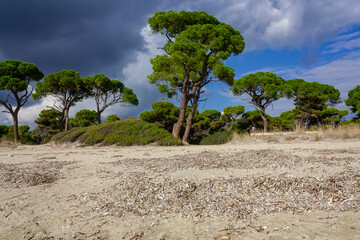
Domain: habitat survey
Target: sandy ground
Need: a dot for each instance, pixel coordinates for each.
(254, 190)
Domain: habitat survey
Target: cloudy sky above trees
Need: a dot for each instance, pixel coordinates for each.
(317, 40)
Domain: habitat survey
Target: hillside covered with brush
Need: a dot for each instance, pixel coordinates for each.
(123, 133)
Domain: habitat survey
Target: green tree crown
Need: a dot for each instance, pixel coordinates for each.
(353, 100)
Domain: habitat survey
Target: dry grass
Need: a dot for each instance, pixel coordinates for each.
(342, 132)
(17, 176)
(299, 134)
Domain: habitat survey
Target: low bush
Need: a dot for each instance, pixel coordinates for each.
(123, 132)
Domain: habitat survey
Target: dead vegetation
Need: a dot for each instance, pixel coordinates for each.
(345, 132)
(251, 159)
(151, 192)
(235, 198)
(18, 175)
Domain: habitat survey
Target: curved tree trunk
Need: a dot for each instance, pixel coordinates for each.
(177, 126)
(189, 120)
(263, 117)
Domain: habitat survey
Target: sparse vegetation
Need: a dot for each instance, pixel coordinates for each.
(217, 138)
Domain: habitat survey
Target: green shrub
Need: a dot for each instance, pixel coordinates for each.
(112, 118)
(123, 132)
(217, 138)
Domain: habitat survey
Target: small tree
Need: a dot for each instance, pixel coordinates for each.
(84, 118)
(353, 101)
(15, 77)
(49, 118)
(108, 92)
(67, 87)
(251, 119)
(310, 96)
(47, 124)
(197, 45)
(205, 124)
(263, 89)
(331, 116)
(164, 113)
(112, 118)
(231, 113)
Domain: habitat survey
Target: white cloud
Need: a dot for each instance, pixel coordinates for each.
(27, 115)
(280, 24)
(346, 42)
(342, 73)
(135, 75)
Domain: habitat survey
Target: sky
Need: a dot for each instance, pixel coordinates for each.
(316, 40)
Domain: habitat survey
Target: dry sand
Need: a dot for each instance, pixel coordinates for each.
(253, 190)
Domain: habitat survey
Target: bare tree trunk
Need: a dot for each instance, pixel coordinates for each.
(189, 120)
(263, 117)
(99, 117)
(177, 126)
(16, 127)
(66, 119)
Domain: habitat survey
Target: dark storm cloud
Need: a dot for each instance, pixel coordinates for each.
(85, 35)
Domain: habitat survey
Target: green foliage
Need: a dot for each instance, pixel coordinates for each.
(250, 119)
(197, 45)
(217, 138)
(201, 41)
(286, 120)
(49, 118)
(231, 113)
(4, 130)
(47, 125)
(24, 129)
(263, 89)
(84, 118)
(69, 136)
(64, 84)
(25, 136)
(124, 132)
(67, 87)
(330, 116)
(108, 92)
(15, 77)
(211, 114)
(310, 98)
(353, 101)
(165, 114)
(112, 118)
(205, 124)
(234, 111)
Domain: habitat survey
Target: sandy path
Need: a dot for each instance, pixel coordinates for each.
(186, 192)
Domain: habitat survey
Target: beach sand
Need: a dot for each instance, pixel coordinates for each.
(240, 190)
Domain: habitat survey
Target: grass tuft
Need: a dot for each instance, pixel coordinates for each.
(343, 132)
(217, 138)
